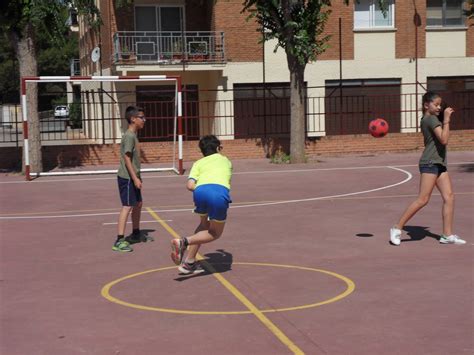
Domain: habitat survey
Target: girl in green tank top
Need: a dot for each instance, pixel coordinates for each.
(433, 170)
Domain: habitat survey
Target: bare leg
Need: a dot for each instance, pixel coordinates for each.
(205, 236)
(427, 183)
(122, 222)
(193, 249)
(445, 188)
(136, 214)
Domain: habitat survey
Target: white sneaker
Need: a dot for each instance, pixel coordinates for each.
(395, 235)
(452, 239)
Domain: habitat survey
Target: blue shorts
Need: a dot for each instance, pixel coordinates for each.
(129, 194)
(212, 200)
(436, 169)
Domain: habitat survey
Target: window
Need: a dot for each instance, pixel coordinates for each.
(444, 13)
(368, 14)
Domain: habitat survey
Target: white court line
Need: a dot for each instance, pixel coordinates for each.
(409, 177)
(154, 221)
(235, 173)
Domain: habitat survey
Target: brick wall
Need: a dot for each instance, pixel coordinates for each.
(470, 38)
(161, 152)
(346, 13)
(241, 37)
(405, 35)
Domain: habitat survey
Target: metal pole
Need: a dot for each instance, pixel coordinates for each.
(264, 86)
(341, 131)
(417, 22)
(101, 96)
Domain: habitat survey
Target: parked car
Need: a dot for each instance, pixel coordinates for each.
(61, 111)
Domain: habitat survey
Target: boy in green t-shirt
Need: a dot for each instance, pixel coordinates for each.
(209, 180)
(129, 180)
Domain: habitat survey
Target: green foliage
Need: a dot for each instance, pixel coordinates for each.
(469, 11)
(75, 115)
(280, 157)
(298, 25)
(45, 16)
(9, 76)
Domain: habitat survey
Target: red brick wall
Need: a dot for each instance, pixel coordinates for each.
(346, 13)
(241, 37)
(470, 38)
(405, 35)
(161, 152)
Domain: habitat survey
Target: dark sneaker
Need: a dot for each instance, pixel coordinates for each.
(189, 269)
(122, 245)
(141, 237)
(177, 250)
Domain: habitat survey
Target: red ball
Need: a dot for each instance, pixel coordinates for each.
(378, 128)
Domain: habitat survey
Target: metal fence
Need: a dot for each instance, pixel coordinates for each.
(239, 113)
(168, 47)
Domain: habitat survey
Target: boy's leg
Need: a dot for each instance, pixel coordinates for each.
(123, 217)
(206, 236)
(193, 249)
(121, 244)
(136, 214)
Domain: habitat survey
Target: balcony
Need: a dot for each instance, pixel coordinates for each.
(135, 47)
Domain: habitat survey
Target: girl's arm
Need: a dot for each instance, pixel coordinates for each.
(442, 132)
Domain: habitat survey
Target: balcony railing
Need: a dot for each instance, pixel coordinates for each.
(135, 47)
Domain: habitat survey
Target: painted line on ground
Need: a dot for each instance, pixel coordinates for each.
(235, 173)
(189, 208)
(408, 174)
(111, 223)
(237, 294)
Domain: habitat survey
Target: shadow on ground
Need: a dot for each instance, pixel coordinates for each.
(417, 233)
(218, 262)
(466, 168)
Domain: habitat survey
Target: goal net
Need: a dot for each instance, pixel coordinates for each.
(82, 120)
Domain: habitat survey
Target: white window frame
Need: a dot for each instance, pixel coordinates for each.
(372, 26)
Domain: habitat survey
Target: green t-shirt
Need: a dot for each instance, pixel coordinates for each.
(129, 144)
(435, 152)
(213, 169)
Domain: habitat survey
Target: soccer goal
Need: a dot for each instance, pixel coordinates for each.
(84, 116)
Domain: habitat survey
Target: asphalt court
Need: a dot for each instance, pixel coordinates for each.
(305, 246)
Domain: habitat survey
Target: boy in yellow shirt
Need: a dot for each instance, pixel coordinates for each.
(209, 180)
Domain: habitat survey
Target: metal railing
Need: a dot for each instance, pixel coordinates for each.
(93, 121)
(148, 47)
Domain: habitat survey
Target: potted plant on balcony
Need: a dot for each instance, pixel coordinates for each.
(125, 52)
(177, 50)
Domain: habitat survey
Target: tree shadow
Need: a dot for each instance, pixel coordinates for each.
(217, 262)
(417, 233)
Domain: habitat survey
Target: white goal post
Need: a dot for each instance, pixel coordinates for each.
(81, 80)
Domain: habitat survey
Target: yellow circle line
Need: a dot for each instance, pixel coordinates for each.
(105, 292)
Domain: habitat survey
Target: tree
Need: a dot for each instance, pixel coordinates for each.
(298, 26)
(22, 20)
(469, 11)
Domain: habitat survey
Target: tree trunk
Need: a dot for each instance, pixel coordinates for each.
(297, 110)
(26, 53)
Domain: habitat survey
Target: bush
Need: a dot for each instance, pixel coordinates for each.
(75, 115)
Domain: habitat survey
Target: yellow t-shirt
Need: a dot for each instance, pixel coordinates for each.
(213, 169)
